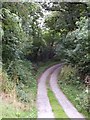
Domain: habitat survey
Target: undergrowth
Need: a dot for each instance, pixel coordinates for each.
(19, 81)
(74, 89)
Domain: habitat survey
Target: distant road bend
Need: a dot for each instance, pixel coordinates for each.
(43, 104)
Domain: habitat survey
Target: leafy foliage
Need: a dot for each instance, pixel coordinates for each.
(13, 36)
(79, 45)
(30, 34)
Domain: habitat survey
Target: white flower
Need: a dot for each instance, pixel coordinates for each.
(86, 90)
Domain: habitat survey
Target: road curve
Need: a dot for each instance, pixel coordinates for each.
(67, 106)
(43, 104)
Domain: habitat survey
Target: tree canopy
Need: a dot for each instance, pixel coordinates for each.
(64, 33)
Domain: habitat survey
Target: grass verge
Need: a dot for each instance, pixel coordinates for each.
(10, 111)
(74, 89)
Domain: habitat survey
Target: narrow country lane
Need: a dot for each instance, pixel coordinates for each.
(67, 106)
(43, 105)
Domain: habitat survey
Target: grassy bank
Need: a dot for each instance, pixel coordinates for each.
(74, 89)
(18, 91)
(11, 111)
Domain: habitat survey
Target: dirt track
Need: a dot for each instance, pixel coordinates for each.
(43, 104)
